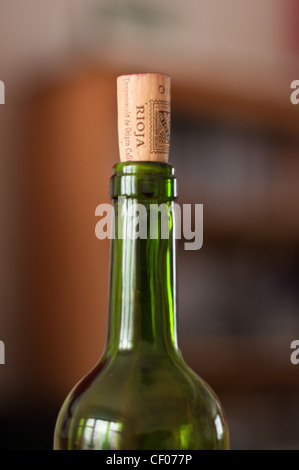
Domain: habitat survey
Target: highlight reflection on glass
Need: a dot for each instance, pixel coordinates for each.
(97, 432)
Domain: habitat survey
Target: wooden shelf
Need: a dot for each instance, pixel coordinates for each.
(201, 100)
(250, 362)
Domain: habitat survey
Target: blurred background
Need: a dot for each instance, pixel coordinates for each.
(234, 145)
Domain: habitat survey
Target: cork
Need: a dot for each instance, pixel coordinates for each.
(143, 102)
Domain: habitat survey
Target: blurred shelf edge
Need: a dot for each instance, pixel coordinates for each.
(195, 94)
(251, 110)
(199, 97)
(271, 219)
(250, 362)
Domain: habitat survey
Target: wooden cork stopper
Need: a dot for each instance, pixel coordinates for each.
(143, 102)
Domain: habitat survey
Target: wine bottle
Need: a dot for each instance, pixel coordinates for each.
(141, 394)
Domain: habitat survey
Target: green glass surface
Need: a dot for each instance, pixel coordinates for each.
(141, 394)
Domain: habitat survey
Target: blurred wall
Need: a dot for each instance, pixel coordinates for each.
(70, 149)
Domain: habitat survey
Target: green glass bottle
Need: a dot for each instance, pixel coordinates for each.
(141, 394)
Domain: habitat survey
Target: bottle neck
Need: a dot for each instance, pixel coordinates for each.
(142, 297)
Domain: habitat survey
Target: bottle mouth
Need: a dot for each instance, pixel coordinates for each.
(144, 180)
